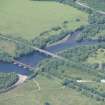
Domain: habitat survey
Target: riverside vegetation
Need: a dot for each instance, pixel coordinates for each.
(56, 79)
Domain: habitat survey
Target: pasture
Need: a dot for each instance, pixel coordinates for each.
(8, 47)
(98, 57)
(28, 18)
(51, 92)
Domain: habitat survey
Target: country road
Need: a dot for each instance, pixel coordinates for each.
(88, 7)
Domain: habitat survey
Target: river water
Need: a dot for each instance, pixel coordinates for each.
(35, 57)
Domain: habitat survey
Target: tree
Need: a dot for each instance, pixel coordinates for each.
(47, 103)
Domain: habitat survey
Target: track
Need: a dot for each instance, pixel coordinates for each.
(88, 7)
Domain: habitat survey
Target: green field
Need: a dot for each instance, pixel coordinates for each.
(51, 91)
(28, 18)
(8, 47)
(96, 4)
(98, 86)
(98, 57)
(29, 23)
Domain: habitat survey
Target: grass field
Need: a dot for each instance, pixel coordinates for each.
(8, 47)
(97, 57)
(28, 18)
(78, 73)
(98, 86)
(96, 4)
(51, 91)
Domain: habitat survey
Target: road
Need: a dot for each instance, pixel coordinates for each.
(88, 7)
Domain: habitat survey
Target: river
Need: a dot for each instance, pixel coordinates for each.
(34, 58)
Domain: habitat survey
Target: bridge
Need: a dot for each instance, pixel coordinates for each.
(48, 53)
(35, 48)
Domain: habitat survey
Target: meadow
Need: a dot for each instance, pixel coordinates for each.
(51, 91)
(8, 47)
(35, 21)
(81, 65)
(28, 18)
(98, 57)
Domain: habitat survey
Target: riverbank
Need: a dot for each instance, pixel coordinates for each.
(22, 79)
(36, 57)
(60, 41)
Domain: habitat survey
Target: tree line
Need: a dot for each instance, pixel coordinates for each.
(94, 29)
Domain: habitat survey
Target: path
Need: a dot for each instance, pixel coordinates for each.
(22, 78)
(35, 48)
(88, 7)
(37, 84)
